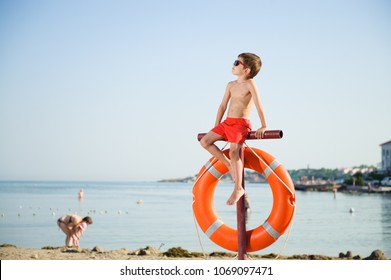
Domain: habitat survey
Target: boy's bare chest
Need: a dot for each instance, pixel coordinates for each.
(241, 93)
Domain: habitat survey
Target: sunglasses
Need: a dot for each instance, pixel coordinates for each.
(237, 62)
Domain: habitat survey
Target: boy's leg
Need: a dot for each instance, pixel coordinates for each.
(69, 240)
(237, 168)
(207, 142)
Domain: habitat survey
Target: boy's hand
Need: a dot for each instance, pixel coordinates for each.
(259, 133)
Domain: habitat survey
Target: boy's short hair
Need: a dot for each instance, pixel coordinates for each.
(253, 62)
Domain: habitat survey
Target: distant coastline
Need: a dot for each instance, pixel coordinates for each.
(356, 179)
(250, 176)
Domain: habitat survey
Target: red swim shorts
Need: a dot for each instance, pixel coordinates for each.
(233, 130)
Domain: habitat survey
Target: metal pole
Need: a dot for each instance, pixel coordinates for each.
(269, 134)
(241, 219)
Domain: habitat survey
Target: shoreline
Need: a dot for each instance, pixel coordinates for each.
(11, 252)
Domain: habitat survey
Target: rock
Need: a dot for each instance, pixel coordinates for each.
(143, 252)
(5, 245)
(270, 256)
(98, 249)
(147, 251)
(153, 250)
(348, 255)
(177, 252)
(376, 255)
(318, 257)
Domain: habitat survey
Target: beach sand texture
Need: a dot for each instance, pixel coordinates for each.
(11, 252)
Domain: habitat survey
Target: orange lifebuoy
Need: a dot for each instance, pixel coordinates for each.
(280, 216)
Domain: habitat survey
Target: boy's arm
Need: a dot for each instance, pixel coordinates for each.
(224, 104)
(77, 233)
(258, 104)
(75, 240)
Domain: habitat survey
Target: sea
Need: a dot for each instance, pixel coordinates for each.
(134, 215)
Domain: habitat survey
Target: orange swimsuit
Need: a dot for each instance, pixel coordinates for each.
(234, 130)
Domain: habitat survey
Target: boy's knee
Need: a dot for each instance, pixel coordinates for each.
(234, 152)
(204, 143)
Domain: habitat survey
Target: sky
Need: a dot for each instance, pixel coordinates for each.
(118, 90)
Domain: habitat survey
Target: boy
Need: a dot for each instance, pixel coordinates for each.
(241, 94)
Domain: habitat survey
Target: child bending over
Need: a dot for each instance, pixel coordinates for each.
(73, 226)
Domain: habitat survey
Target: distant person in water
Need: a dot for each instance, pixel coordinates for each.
(73, 226)
(81, 194)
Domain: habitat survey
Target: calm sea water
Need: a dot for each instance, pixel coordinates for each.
(322, 224)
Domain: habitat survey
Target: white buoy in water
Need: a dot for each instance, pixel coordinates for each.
(352, 210)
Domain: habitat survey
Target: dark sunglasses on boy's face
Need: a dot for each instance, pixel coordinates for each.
(237, 62)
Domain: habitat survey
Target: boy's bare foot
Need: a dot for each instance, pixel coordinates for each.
(235, 196)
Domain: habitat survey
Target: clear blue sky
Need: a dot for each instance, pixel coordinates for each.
(118, 90)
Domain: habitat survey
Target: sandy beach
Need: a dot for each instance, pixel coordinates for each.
(11, 252)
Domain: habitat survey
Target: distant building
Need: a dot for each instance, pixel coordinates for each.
(386, 156)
